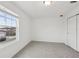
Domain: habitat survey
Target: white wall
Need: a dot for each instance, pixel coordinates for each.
(47, 29)
(24, 33)
(65, 31)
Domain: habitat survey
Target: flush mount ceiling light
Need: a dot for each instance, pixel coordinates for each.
(61, 15)
(73, 1)
(47, 3)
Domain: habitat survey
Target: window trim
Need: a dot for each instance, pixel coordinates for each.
(2, 8)
(8, 11)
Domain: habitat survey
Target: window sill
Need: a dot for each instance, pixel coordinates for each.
(7, 43)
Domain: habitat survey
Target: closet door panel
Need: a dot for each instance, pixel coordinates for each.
(72, 32)
(77, 32)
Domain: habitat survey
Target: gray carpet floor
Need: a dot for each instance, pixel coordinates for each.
(37, 49)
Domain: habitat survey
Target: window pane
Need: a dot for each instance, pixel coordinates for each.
(14, 21)
(8, 25)
(8, 15)
(2, 13)
(2, 20)
(8, 22)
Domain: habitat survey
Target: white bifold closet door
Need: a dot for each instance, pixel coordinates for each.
(72, 35)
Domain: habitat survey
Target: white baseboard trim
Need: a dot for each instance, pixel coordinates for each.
(48, 41)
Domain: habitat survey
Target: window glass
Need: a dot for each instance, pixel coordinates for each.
(7, 26)
(8, 22)
(13, 21)
(2, 20)
(8, 15)
(2, 13)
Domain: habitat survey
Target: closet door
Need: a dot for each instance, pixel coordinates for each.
(77, 32)
(72, 32)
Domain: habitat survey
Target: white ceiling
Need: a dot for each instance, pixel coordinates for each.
(36, 9)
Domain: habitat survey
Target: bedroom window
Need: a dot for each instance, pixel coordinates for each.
(7, 26)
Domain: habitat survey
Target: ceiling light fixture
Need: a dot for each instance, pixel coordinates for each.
(61, 15)
(73, 1)
(47, 3)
